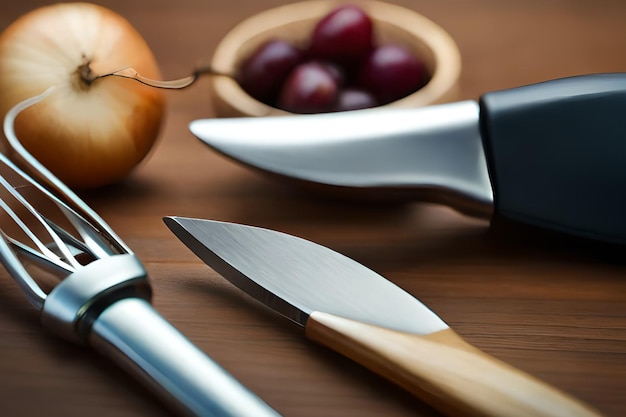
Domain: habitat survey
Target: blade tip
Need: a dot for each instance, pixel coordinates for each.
(172, 221)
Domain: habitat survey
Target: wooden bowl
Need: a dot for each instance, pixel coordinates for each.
(294, 22)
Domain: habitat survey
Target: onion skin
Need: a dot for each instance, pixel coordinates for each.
(90, 131)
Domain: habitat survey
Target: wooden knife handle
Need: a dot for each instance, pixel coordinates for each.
(445, 371)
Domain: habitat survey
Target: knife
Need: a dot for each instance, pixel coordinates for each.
(358, 313)
(551, 154)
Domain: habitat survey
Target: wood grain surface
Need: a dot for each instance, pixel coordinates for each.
(549, 305)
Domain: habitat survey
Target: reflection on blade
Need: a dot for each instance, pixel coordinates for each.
(297, 277)
(434, 149)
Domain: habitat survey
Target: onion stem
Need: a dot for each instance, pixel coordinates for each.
(179, 83)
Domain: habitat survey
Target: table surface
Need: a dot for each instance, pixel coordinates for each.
(549, 305)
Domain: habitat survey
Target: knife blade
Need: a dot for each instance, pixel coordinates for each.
(549, 154)
(355, 311)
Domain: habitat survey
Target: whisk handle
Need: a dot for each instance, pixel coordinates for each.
(105, 304)
(138, 338)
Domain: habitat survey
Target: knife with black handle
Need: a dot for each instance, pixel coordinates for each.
(358, 313)
(551, 154)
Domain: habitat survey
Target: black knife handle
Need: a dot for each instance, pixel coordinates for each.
(556, 153)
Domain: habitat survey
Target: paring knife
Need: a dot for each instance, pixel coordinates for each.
(551, 154)
(358, 313)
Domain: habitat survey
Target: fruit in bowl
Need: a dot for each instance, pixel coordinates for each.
(323, 56)
(342, 55)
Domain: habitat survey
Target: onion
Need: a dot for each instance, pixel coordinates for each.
(91, 131)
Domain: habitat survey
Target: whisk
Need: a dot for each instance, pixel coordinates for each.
(92, 290)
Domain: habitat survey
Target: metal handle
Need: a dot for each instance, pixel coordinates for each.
(137, 337)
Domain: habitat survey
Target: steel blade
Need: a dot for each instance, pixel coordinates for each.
(435, 149)
(297, 277)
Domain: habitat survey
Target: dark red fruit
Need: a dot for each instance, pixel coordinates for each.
(310, 88)
(335, 71)
(345, 36)
(392, 72)
(342, 69)
(355, 99)
(263, 72)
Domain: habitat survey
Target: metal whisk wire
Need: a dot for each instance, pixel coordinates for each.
(66, 262)
(43, 242)
(42, 177)
(60, 250)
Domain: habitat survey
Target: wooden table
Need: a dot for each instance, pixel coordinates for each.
(547, 304)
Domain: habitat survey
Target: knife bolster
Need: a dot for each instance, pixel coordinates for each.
(444, 370)
(556, 154)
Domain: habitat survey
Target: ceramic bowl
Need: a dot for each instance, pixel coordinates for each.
(294, 22)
